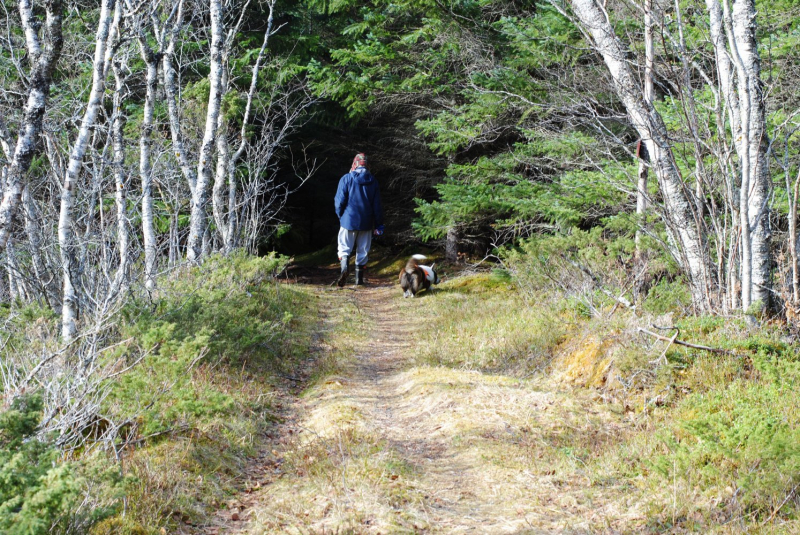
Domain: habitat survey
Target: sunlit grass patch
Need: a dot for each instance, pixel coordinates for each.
(480, 323)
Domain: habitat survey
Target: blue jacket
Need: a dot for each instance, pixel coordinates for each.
(358, 201)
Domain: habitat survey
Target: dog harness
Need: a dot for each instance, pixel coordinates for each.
(429, 274)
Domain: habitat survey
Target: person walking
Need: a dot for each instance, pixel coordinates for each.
(358, 206)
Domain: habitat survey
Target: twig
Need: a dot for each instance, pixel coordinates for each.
(786, 499)
(664, 353)
(674, 340)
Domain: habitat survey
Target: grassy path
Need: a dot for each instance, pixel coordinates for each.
(383, 444)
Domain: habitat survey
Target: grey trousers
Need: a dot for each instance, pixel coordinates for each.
(358, 241)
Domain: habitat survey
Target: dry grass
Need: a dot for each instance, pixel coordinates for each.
(471, 410)
(392, 445)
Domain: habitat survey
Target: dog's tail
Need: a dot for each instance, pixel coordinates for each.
(413, 262)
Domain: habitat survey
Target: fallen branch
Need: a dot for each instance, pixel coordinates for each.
(674, 340)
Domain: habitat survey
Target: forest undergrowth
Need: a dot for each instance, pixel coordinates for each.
(265, 407)
(216, 350)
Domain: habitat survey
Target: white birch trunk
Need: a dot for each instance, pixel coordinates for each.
(649, 95)
(44, 60)
(729, 107)
(172, 91)
(197, 221)
(681, 218)
(121, 280)
(223, 160)
(793, 239)
(146, 168)
(755, 186)
(66, 231)
(174, 253)
(723, 65)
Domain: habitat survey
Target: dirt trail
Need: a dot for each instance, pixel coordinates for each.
(386, 446)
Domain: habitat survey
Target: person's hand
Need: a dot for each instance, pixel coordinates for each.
(378, 230)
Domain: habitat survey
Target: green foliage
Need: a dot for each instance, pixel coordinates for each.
(224, 313)
(39, 492)
(744, 435)
(407, 47)
(668, 296)
(500, 191)
(217, 339)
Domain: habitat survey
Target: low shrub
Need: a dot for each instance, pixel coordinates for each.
(743, 437)
(39, 492)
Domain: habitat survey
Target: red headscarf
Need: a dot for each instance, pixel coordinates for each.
(359, 161)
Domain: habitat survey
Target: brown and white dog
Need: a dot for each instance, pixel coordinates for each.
(415, 276)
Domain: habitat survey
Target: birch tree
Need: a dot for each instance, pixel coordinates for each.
(755, 183)
(197, 221)
(44, 50)
(169, 37)
(225, 178)
(687, 235)
(121, 278)
(151, 60)
(649, 94)
(66, 231)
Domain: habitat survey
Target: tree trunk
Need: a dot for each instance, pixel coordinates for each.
(120, 282)
(223, 161)
(756, 184)
(44, 61)
(66, 231)
(681, 219)
(172, 90)
(174, 252)
(793, 239)
(197, 221)
(146, 168)
(649, 94)
(451, 244)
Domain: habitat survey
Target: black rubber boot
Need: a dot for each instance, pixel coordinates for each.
(344, 273)
(360, 275)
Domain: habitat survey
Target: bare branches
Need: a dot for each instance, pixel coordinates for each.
(77, 252)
